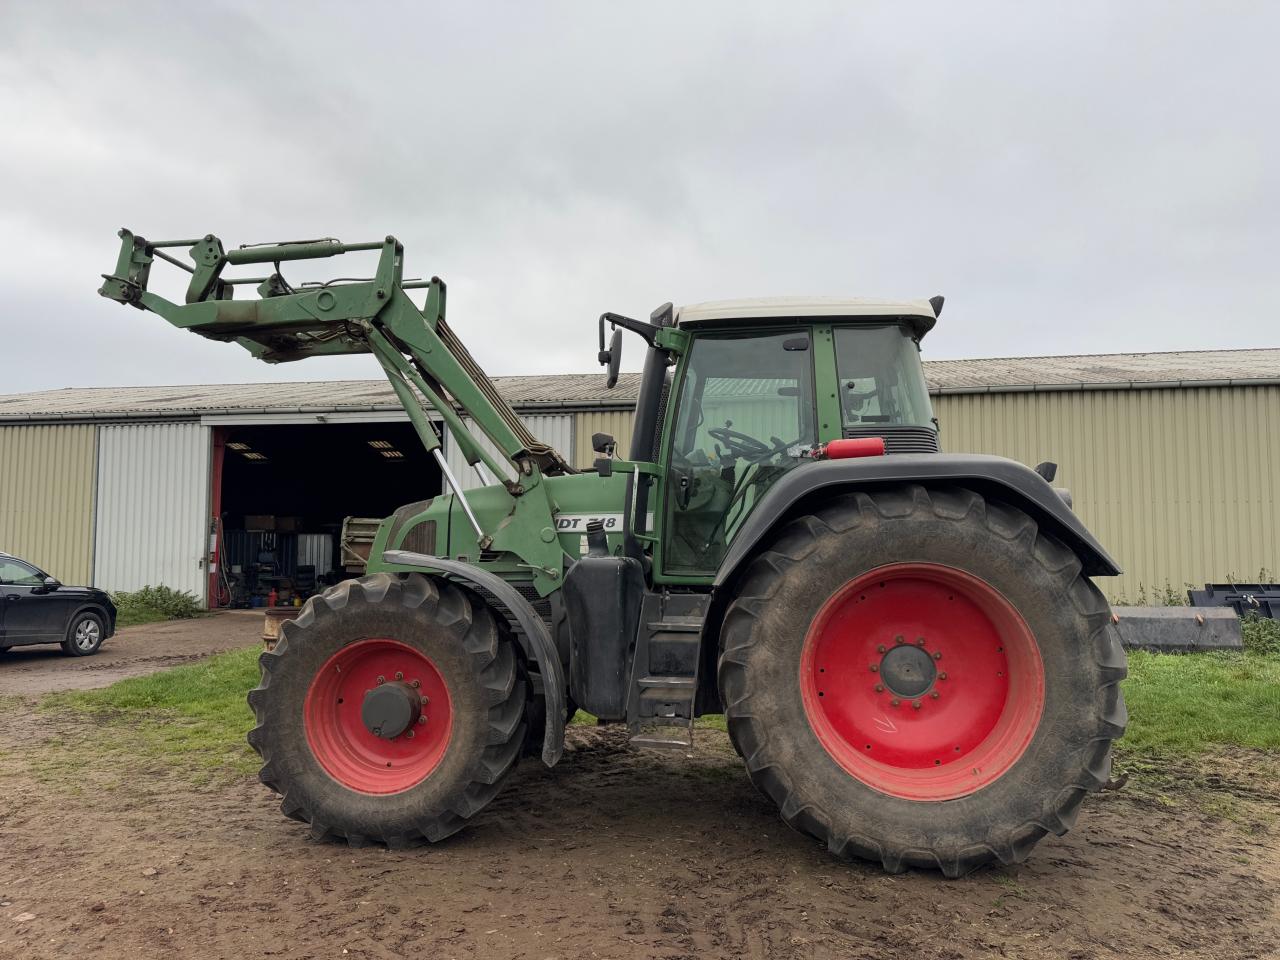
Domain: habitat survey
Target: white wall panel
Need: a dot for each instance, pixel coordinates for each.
(553, 429)
(153, 506)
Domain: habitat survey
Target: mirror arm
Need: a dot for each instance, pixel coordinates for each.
(645, 329)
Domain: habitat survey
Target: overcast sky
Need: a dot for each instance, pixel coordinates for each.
(1098, 177)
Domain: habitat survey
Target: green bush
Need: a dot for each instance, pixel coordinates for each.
(151, 604)
(1260, 634)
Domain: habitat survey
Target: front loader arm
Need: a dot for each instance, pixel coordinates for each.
(424, 361)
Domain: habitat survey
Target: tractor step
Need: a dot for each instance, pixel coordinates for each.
(678, 625)
(664, 686)
(676, 743)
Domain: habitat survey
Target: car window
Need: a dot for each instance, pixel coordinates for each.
(19, 573)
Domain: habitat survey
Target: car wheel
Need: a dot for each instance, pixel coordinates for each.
(84, 635)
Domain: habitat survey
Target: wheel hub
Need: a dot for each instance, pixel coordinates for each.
(908, 671)
(390, 709)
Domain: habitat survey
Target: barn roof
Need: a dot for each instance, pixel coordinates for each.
(570, 390)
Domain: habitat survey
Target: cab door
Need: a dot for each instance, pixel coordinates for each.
(744, 417)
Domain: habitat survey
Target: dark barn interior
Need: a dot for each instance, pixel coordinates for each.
(284, 492)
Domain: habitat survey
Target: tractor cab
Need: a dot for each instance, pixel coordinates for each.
(761, 387)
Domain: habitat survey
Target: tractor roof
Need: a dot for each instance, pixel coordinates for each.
(920, 314)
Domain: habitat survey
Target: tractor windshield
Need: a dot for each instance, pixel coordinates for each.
(745, 416)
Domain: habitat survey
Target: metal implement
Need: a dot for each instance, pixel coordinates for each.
(1178, 629)
(1258, 599)
(427, 365)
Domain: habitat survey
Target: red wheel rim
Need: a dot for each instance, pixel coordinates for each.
(336, 732)
(922, 681)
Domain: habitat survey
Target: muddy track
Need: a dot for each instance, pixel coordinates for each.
(612, 854)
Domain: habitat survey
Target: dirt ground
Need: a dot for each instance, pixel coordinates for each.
(134, 651)
(611, 854)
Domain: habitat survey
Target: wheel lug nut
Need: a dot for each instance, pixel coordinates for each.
(934, 695)
(382, 679)
(920, 641)
(875, 668)
(881, 648)
(899, 639)
(399, 675)
(937, 654)
(915, 704)
(409, 734)
(879, 688)
(894, 702)
(422, 719)
(415, 684)
(942, 676)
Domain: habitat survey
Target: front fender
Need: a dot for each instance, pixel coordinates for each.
(541, 647)
(994, 477)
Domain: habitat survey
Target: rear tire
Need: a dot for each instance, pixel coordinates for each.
(1034, 691)
(428, 639)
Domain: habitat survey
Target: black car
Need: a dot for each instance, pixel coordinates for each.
(36, 608)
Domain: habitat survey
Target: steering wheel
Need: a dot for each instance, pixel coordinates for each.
(741, 444)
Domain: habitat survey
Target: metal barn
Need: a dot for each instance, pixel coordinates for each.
(1173, 459)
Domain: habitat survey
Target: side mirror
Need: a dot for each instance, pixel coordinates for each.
(603, 443)
(612, 358)
(51, 584)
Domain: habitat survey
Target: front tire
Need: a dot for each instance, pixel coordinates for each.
(391, 710)
(84, 635)
(922, 678)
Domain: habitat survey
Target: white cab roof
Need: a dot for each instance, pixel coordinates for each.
(772, 307)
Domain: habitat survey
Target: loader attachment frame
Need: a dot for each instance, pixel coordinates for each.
(424, 361)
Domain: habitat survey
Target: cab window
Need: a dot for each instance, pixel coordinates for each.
(744, 417)
(881, 379)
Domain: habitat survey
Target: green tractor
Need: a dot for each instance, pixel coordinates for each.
(907, 646)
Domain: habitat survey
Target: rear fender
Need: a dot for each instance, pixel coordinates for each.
(537, 639)
(996, 478)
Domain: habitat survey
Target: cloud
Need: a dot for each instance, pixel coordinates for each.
(1090, 178)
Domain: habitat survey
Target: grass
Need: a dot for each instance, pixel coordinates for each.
(1185, 705)
(135, 617)
(196, 714)
(196, 717)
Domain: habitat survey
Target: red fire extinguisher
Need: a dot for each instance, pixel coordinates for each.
(272, 597)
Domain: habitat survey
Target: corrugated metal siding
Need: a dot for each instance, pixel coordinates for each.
(46, 497)
(1181, 486)
(153, 496)
(616, 423)
(316, 550)
(555, 430)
